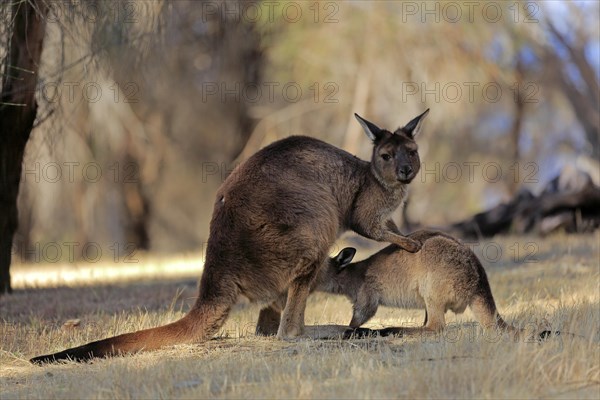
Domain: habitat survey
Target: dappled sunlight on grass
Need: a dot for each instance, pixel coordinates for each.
(82, 273)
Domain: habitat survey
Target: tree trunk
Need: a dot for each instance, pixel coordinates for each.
(17, 113)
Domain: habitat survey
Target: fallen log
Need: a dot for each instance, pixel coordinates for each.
(569, 205)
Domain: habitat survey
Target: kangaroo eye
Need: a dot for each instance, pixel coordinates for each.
(386, 157)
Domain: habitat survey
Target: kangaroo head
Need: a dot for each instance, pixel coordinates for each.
(329, 279)
(343, 258)
(395, 158)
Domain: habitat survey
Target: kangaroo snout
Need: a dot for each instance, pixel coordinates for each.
(405, 173)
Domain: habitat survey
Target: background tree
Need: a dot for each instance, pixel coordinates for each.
(23, 30)
(107, 102)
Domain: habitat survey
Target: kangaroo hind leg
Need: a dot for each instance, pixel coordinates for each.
(292, 318)
(269, 317)
(435, 319)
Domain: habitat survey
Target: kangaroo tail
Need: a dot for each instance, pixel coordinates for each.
(200, 324)
(484, 308)
(486, 314)
(483, 304)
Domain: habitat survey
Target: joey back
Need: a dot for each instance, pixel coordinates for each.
(444, 275)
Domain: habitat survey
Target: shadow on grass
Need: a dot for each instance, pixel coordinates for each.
(55, 305)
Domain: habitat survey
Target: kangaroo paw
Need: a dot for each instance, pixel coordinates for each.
(410, 245)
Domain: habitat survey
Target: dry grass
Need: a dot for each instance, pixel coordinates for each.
(560, 290)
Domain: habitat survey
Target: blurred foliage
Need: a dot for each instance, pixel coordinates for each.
(164, 139)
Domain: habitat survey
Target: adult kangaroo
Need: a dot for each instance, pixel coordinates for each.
(274, 219)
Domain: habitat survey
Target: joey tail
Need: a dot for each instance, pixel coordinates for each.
(483, 305)
(484, 309)
(200, 324)
(486, 313)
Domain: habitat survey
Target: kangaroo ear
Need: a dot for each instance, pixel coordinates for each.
(372, 130)
(413, 128)
(345, 257)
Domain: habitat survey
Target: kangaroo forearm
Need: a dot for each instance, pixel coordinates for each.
(385, 234)
(395, 238)
(392, 227)
(401, 241)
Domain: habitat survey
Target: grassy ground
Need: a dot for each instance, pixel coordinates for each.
(559, 288)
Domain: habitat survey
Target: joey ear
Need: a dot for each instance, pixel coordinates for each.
(413, 128)
(373, 131)
(345, 257)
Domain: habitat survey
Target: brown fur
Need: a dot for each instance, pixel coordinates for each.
(444, 275)
(274, 219)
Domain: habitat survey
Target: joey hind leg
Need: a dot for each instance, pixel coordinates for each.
(435, 319)
(363, 309)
